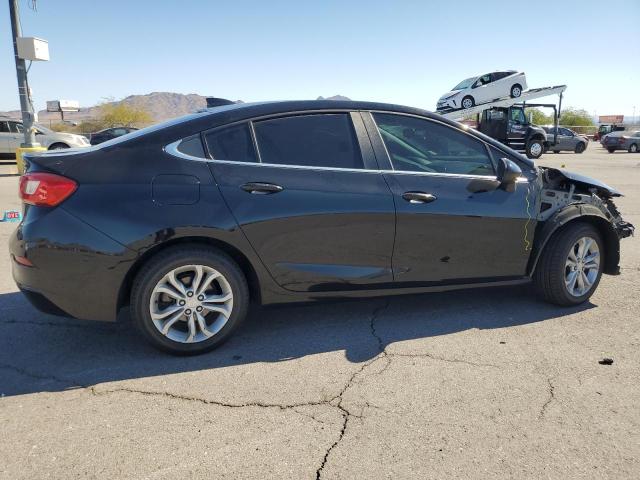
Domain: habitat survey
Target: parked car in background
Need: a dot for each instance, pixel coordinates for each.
(511, 126)
(296, 201)
(12, 135)
(483, 89)
(606, 129)
(566, 141)
(629, 141)
(109, 133)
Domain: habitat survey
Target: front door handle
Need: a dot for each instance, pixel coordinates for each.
(418, 197)
(260, 188)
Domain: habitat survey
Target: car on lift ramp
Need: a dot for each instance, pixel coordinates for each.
(482, 89)
(191, 221)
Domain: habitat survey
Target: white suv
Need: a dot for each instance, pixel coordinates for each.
(12, 135)
(485, 88)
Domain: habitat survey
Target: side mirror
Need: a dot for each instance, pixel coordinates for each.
(508, 173)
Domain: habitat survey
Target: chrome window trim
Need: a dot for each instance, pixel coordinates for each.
(172, 150)
(296, 167)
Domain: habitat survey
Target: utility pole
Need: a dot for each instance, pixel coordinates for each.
(23, 85)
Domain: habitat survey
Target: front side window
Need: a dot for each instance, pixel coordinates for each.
(320, 140)
(419, 145)
(517, 115)
(232, 143)
(483, 80)
(4, 127)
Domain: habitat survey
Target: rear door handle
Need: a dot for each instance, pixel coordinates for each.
(418, 197)
(260, 188)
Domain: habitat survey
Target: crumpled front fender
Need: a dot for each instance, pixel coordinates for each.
(578, 212)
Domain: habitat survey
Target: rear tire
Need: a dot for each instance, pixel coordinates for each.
(633, 148)
(580, 147)
(552, 277)
(556, 151)
(611, 150)
(516, 90)
(468, 102)
(189, 332)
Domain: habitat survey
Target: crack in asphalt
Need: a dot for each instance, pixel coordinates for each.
(552, 397)
(38, 376)
(336, 401)
(346, 414)
(60, 325)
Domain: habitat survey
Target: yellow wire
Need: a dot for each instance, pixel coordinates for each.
(527, 244)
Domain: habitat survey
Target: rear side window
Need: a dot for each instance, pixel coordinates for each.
(419, 145)
(232, 143)
(4, 127)
(322, 140)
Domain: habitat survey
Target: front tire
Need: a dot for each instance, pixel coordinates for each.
(189, 300)
(516, 90)
(535, 149)
(570, 267)
(580, 147)
(468, 102)
(611, 150)
(633, 148)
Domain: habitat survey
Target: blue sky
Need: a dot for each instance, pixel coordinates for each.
(407, 52)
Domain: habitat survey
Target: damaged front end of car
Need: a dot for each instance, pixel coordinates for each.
(565, 197)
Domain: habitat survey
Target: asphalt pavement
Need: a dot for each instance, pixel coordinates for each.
(477, 384)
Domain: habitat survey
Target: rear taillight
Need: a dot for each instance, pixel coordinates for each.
(45, 189)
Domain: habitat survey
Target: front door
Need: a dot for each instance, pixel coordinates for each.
(517, 128)
(316, 210)
(454, 223)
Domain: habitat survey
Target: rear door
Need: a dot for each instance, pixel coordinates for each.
(4, 138)
(17, 135)
(454, 223)
(308, 194)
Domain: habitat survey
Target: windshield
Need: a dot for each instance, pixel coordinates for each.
(465, 84)
(43, 129)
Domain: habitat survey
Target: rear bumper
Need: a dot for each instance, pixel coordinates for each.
(77, 271)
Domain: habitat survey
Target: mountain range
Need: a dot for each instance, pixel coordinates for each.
(160, 105)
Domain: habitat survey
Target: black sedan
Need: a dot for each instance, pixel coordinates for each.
(189, 221)
(109, 134)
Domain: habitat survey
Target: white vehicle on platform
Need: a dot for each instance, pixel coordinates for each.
(482, 89)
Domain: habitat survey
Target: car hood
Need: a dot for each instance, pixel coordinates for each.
(602, 189)
(64, 135)
(449, 94)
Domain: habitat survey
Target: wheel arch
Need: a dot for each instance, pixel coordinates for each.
(240, 258)
(570, 215)
(58, 143)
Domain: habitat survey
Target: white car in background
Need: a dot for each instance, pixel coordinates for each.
(12, 135)
(482, 89)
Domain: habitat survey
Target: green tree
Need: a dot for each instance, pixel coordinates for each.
(118, 114)
(538, 117)
(573, 117)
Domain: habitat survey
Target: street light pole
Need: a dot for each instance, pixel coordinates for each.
(23, 86)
